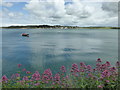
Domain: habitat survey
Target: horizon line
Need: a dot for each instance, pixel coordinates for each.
(55, 25)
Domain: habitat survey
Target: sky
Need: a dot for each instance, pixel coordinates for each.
(59, 12)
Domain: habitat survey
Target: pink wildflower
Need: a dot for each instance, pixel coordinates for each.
(28, 72)
(94, 70)
(37, 84)
(48, 72)
(107, 81)
(100, 86)
(17, 75)
(53, 83)
(112, 69)
(19, 65)
(75, 65)
(81, 70)
(71, 70)
(46, 81)
(37, 79)
(57, 77)
(36, 76)
(82, 64)
(13, 76)
(75, 68)
(47, 75)
(67, 77)
(4, 78)
(37, 72)
(25, 78)
(63, 69)
(106, 73)
(103, 66)
(118, 63)
(108, 63)
(24, 69)
(98, 64)
(99, 60)
(90, 75)
(89, 67)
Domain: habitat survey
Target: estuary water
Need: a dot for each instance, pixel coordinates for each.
(52, 48)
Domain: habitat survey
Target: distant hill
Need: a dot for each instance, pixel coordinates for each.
(57, 26)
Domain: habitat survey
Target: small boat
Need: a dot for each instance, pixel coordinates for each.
(25, 34)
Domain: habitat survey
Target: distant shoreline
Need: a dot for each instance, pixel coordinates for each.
(55, 27)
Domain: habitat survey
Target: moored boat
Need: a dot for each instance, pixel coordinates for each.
(25, 34)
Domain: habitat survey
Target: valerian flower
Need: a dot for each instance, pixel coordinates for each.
(4, 78)
(99, 60)
(105, 73)
(19, 65)
(63, 69)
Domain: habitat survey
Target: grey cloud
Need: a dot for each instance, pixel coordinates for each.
(110, 6)
(85, 14)
(76, 13)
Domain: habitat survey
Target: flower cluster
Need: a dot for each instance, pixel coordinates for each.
(104, 75)
(63, 69)
(36, 76)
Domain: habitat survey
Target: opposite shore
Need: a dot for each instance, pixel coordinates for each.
(56, 27)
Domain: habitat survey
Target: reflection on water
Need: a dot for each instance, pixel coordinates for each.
(53, 48)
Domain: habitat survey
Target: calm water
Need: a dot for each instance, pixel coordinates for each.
(52, 48)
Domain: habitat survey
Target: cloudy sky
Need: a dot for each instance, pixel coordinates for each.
(59, 12)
